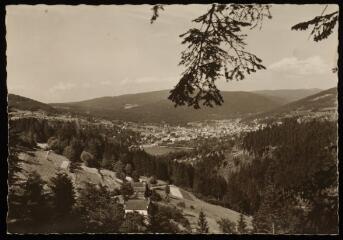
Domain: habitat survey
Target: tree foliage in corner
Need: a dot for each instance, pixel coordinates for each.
(322, 25)
(155, 9)
(215, 50)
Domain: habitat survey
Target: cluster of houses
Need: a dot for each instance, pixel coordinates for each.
(166, 134)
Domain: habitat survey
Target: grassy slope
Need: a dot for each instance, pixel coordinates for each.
(213, 212)
(48, 168)
(36, 161)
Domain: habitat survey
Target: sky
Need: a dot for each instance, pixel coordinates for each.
(71, 53)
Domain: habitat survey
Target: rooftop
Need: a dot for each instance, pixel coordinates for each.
(138, 184)
(136, 204)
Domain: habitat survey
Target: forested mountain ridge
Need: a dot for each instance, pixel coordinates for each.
(24, 103)
(155, 107)
(289, 95)
(322, 103)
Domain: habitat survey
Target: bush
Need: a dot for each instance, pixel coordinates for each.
(89, 159)
(226, 225)
(126, 190)
(120, 175)
(153, 180)
(70, 153)
(155, 196)
(53, 143)
(181, 204)
(191, 207)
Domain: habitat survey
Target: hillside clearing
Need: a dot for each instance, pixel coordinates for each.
(48, 167)
(213, 212)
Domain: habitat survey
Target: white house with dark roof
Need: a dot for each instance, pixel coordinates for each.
(137, 205)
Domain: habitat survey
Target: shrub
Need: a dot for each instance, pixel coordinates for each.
(153, 180)
(155, 196)
(89, 159)
(181, 204)
(226, 225)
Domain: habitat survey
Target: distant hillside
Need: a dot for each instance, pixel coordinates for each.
(23, 103)
(289, 95)
(324, 101)
(155, 107)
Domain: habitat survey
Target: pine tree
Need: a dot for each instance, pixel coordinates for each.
(265, 220)
(63, 194)
(147, 193)
(126, 190)
(202, 223)
(128, 169)
(35, 202)
(133, 223)
(226, 225)
(153, 225)
(167, 192)
(99, 212)
(135, 176)
(241, 226)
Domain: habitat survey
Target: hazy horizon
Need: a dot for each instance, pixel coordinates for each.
(75, 53)
(284, 89)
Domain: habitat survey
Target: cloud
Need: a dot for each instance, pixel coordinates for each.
(62, 86)
(146, 80)
(309, 66)
(15, 87)
(106, 83)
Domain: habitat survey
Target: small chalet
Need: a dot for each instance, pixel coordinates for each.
(137, 205)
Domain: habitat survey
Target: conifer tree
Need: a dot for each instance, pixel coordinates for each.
(226, 225)
(266, 218)
(167, 192)
(35, 203)
(147, 192)
(202, 223)
(126, 190)
(63, 194)
(241, 226)
(153, 225)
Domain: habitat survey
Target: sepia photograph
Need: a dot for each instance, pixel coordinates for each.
(172, 119)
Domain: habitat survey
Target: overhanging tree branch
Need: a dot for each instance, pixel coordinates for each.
(322, 26)
(217, 51)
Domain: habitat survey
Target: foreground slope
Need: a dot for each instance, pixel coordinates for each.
(47, 167)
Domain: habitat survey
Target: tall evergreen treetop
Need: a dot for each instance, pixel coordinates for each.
(202, 223)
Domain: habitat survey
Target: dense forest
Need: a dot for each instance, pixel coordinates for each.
(289, 187)
(291, 184)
